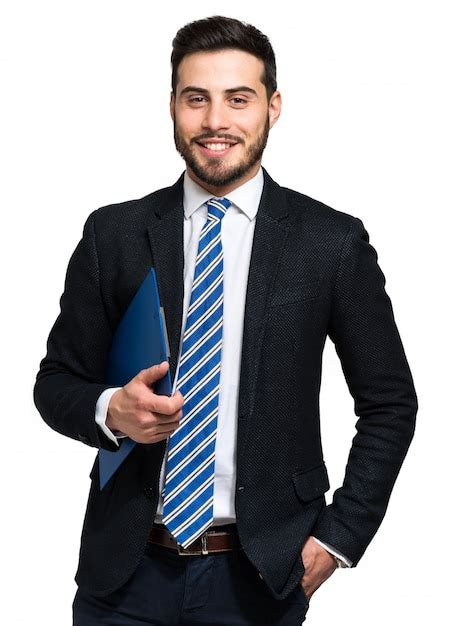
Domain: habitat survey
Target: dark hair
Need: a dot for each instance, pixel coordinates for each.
(220, 33)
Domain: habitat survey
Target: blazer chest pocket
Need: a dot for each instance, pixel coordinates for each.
(297, 293)
(312, 483)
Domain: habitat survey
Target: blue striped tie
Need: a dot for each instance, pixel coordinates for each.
(189, 481)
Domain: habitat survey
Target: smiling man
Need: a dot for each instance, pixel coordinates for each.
(222, 114)
(218, 516)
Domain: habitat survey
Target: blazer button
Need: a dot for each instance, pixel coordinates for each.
(241, 488)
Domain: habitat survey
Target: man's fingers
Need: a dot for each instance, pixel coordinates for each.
(164, 405)
(152, 374)
(155, 433)
(166, 418)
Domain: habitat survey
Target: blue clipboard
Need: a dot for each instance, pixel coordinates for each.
(140, 341)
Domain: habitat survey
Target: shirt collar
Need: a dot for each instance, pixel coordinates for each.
(246, 197)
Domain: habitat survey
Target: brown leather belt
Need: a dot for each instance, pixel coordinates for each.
(216, 539)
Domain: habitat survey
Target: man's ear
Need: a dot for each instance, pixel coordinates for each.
(274, 108)
(172, 106)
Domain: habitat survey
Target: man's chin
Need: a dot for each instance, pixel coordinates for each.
(216, 175)
(218, 181)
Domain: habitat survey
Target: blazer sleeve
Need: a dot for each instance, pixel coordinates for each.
(71, 375)
(377, 373)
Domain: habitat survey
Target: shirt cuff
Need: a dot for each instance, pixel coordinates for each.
(344, 561)
(101, 413)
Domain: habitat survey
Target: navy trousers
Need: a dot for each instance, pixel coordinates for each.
(167, 589)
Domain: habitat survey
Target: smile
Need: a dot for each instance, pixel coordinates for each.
(215, 148)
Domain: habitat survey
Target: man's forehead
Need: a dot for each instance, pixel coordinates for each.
(220, 68)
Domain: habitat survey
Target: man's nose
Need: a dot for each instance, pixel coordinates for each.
(216, 117)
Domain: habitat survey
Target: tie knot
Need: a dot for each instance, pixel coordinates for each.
(217, 207)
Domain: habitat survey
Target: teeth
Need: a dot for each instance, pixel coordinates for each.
(217, 146)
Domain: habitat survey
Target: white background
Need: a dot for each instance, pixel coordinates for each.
(84, 122)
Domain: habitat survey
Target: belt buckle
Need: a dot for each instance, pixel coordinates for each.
(189, 552)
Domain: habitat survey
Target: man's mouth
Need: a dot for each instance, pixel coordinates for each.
(216, 148)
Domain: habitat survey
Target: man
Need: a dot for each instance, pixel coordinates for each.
(253, 278)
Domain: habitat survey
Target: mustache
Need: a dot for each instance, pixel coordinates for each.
(206, 136)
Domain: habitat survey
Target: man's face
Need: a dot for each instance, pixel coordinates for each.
(222, 117)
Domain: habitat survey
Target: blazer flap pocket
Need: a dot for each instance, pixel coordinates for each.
(312, 483)
(296, 293)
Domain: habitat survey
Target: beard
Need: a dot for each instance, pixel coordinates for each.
(215, 172)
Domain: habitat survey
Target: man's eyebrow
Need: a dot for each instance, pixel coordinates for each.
(241, 88)
(194, 89)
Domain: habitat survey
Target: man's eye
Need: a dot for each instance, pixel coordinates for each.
(237, 100)
(197, 99)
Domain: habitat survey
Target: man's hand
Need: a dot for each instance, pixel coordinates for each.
(319, 564)
(138, 412)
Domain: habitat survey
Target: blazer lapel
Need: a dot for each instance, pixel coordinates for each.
(270, 234)
(166, 234)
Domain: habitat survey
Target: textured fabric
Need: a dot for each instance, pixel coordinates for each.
(313, 274)
(189, 482)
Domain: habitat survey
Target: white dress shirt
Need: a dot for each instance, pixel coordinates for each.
(237, 232)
